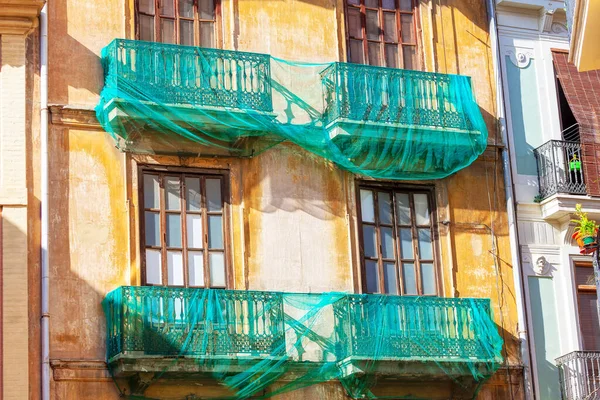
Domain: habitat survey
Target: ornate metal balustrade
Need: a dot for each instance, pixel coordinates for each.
(168, 321)
(424, 328)
(392, 96)
(174, 74)
(579, 374)
(560, 168)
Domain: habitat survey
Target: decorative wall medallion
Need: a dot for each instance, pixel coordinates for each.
(541, 266)
(558, 28)
(520, 57)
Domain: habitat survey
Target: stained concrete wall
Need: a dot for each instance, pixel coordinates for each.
(293, 216)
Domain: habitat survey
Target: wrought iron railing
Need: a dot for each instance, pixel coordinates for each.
(168, 321)
(426, 328)
(579, 374)
(560, 168)
(389, 95)
(198, 323)
(175, 74)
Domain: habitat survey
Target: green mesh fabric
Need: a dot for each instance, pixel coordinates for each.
(379, 122)
(248, 340)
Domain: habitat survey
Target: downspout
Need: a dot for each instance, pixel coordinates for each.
(523, 331)
(45, 322)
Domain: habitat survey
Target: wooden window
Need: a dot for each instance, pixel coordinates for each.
(187, 22)
(586, 304)
(397, 241)
(184, 228)
(382, 32)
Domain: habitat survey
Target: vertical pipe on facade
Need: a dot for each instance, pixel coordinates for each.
(45, 284)
(523, 330)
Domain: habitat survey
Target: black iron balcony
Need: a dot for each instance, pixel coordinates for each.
(560, 168)
(579, 374)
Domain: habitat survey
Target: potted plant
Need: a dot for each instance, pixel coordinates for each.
(585, 231)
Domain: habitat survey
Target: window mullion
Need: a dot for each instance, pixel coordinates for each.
(176, 12)
(415, 239)
(157, 37)
(378, 246)
(184, 227)
(204, 208)
(396, 240)
(163, 231)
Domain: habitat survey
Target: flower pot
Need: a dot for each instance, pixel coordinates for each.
(588, 240)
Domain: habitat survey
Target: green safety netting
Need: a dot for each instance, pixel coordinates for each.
(265, 343)
(380, 122)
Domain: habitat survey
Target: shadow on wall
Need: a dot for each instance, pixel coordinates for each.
(71, 63)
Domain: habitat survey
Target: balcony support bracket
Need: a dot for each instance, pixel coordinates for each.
(139, 382)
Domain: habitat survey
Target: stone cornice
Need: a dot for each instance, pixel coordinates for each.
(75, 117)
(19, 17)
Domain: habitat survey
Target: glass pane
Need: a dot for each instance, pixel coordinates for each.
(152, 228)
(391, 55)
(147, 28)
(207, 9)
(428, 279)
(356, 2)
(387, 243)
(146, 6)
(194, 231)
(407, 28)
(370, 241)
(406, 5)
(375, 54)
(186, 8)
(367, 207)
(192, 186)
(389, 278)
(409, 277)
(390, 30)
(217, 269)
(421, 209)
(175, 268)
(167, 30)
(406, 245)
(153, 267)
(372, 275)
(372, 3)
(584, 276)
(207, 34)
(151, 191)
(167, 8)
(356, 52)
(173, 193)
(173, 230)
(354, 25)
(373, 25)
(425, 247)
(409, 57)
(385, 207)
(403, 208)
(215, 232)
(196, 268)
(213, 194)
(389, 4)
(186, 33)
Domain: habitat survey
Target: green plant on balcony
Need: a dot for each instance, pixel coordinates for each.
(585, 231)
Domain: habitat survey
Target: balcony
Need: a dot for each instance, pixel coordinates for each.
(223, 334)
(579, 374)
(161, 97)
(432, 116)
(560, 168)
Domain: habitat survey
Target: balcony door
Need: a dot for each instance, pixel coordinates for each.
(589, 327)
(382, 33)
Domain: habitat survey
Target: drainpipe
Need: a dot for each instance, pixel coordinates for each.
(523, 330)
(45, 329)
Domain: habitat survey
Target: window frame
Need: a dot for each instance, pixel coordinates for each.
(582, 289)
(196, 19)
(400, 44)
(201, 173)
(393, 188)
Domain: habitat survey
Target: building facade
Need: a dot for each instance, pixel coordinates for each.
(551, 110)
(233, 187)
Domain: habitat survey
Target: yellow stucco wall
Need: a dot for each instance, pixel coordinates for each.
(293, 216)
